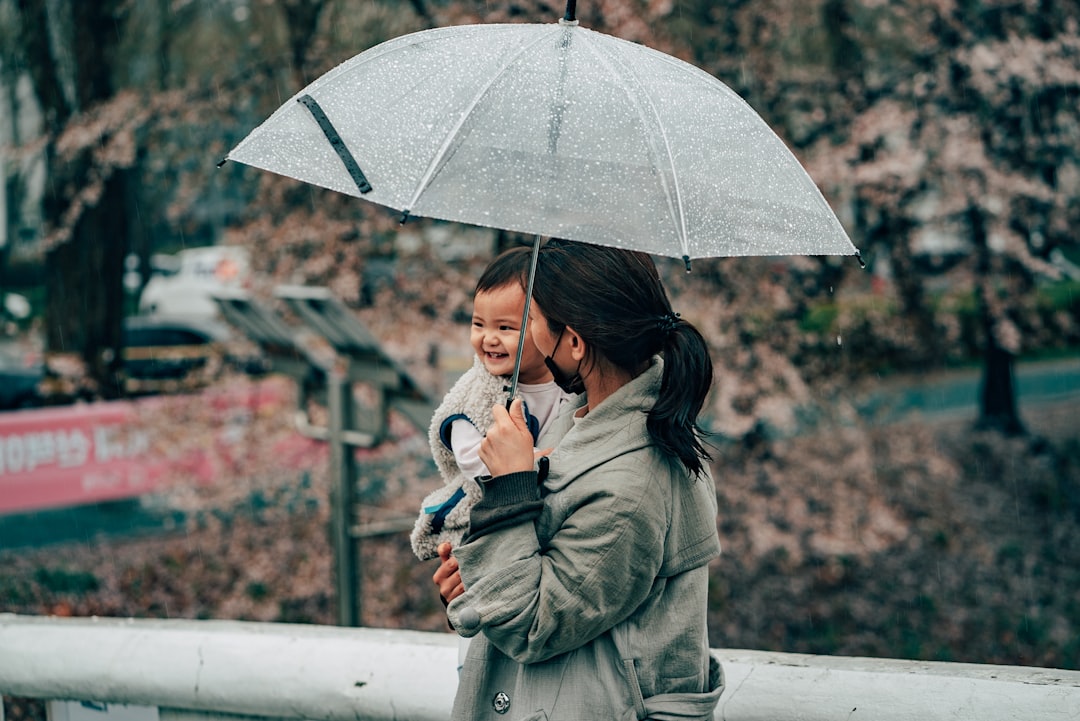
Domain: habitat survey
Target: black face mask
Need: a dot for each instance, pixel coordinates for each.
(568, 382)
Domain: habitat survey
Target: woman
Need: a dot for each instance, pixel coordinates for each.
(584, 583)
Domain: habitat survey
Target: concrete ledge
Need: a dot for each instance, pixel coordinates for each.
(251, 669)
(763, 686)
(214, 669)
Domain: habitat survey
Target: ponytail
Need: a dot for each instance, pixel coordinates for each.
(613, 298)
(688, 371)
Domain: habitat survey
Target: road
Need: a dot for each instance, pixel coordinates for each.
(949, 394)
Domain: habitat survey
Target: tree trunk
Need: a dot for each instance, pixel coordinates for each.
(301, 19)
(927, 349)
(84, 304)
(84, 288)
(893, 230)
(997, 396)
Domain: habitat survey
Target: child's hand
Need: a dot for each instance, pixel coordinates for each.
(508, 446)
(448, 577)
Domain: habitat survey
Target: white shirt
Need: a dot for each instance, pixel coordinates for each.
(543, 401)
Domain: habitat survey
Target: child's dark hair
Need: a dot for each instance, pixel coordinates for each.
(614, 300)
(510, 266)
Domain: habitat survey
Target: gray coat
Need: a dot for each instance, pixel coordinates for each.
(595, 608)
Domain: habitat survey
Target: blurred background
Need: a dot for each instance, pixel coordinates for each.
(896, 453)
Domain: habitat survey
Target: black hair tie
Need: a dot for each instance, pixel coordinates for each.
(667, 322)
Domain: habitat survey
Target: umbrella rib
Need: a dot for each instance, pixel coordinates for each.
(675, 205)
(437, 159)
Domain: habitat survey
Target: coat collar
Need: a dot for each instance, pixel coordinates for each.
(613, 428)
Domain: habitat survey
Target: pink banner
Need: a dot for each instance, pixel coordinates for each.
(72, 455)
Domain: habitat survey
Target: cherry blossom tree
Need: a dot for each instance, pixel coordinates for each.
(945, 134)
(973, 146)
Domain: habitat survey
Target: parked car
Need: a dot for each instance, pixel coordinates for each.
(21, 374)
(164, 353)
(161, 354)
(182, 285)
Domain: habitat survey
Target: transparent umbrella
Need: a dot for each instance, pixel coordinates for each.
(552, 130)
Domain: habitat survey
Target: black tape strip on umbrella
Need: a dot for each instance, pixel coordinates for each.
(336, 142)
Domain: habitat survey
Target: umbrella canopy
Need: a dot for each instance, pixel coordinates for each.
(552, 130)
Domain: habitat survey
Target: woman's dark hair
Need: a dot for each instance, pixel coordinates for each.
(614, 300)
(510, 266)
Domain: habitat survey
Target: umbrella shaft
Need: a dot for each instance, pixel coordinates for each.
(524, 321)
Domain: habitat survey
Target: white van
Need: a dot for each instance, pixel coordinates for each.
(182, 284)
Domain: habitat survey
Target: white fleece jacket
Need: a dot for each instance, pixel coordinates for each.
(444, 513)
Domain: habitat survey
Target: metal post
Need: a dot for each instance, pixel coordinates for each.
(343, 476)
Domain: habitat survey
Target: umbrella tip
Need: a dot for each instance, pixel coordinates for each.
(686, 259)
(223, 161)
(571, 11)
(404, 217)
(858, 257)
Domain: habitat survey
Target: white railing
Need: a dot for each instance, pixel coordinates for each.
(187, 670)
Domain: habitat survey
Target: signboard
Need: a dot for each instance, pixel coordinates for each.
(87, 453)
(64, 456)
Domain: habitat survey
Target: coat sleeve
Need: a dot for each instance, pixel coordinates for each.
(535, 602)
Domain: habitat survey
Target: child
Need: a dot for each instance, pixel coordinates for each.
(464, 416)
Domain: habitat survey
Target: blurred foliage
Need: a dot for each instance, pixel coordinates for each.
(1052, 327)
(60, 580)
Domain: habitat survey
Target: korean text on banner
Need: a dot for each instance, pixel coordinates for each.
(68, 456)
